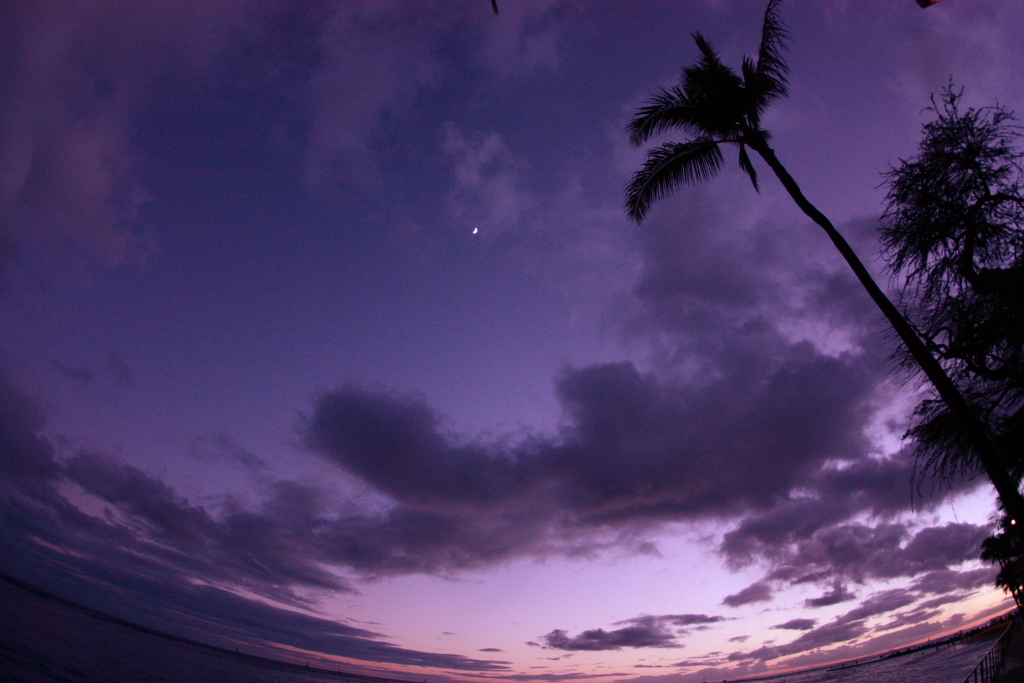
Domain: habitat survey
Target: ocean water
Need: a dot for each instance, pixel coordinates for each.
(43, 640)
(938, 665)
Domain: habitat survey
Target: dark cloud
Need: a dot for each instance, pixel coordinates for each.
(730, 294)
(945, 581)
(118, 369)
(936, 548)
(885, 551)
(144, 526)
(143, 499)
(880, 486)
(599, 639)
(837, 631)
(635, 450)
(797, 624)
(222, 445)
(9, 253)
(880, 603)
(833, 597)
(755, 592)
(115, 366)
(686, 619)
(77, 375)
(644, 631)
(858, 552)
(557, 678)
(271, 551)
(23, 452)
(943, 600)
(397, 445)
(908, 619)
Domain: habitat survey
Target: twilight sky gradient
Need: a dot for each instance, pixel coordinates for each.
(324, 330)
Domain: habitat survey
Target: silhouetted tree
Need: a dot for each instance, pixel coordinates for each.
(1007, 549)
(716, 106)
(954, 230)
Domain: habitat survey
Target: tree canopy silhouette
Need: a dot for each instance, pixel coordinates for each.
(714, 106)
(953, 228)
(1007, 549)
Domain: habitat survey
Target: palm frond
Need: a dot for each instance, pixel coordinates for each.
(748, 167)
(669, 108)
(749, 72)
(712, 105)
(751, 93)
(714, 91)
(771, 67)
(710, 74)
(669, 166)
(943, 451)
(709, 58)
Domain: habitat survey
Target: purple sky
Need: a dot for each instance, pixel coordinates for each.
(324, 330)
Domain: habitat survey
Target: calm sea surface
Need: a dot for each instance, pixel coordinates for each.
(942, 665)
(45, 641)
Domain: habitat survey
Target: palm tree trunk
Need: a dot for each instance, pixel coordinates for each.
(990, 458)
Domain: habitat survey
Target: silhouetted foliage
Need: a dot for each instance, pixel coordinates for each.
(1007, 549)
(715, 106)
(954, 229)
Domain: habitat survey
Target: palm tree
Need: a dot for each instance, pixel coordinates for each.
(1007, 548)
(715, 106)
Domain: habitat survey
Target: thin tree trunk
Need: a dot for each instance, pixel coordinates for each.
(990, 457)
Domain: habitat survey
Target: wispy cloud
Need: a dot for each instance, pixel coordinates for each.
(76, 375)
